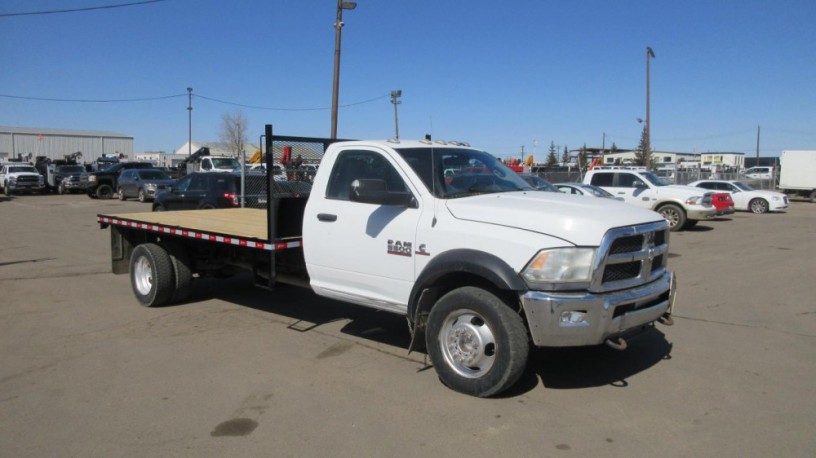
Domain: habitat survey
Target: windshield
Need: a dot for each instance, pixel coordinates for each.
(539, 184)
(742, 186)
(153, 175)
(226, 163)
(450, 173)
(22, 168)
(596, 191)
(71, 169)
(653, 179)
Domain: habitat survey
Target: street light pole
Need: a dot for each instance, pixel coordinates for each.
(395, 95)
(648, 156)
(189, 121)
(338, 26)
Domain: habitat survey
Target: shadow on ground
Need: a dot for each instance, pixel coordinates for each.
(555, 368)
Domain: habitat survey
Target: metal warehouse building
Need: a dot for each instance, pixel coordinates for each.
(28, 143)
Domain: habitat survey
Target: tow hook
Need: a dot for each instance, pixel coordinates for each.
(666, 319)
(618, 344)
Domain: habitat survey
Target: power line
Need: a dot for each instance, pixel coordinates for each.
(45, 99)
(212, 99)
(255, 107)
(74, 10)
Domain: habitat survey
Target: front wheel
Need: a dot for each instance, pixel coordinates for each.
(478, 345)
(104, 191)
(674, 215)
(6, 189)
(152, 275)
(142, 196)
(121, 193)
(759, 206)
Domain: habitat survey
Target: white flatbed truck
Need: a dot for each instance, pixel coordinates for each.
(480, 264)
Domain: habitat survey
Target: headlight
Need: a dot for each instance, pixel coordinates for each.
(91, 177)
(775, 198)
(560, 268)
(41, 180)
(150, 186)
(697, 200)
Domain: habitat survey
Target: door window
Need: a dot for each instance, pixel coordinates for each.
(353, 165)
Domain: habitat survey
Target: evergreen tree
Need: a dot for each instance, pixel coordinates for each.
(552, 157)
(640, 152)
(582, 157)
(565, 157)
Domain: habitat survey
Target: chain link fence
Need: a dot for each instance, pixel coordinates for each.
(677, 177)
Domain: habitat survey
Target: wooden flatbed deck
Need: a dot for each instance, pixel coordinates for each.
(247, 223)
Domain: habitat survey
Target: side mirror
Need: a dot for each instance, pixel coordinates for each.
(374, 191)
(639, 184)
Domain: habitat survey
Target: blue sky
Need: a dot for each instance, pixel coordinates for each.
(499, 75)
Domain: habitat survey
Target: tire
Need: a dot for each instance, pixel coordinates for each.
(182, 270)
(152, 275)
(61, 189)
(478, 345)
(159, 208)
(758, 206)
(690, 223)
(207, 207)
(6, 189)
(674, 215)
(142, 196)
(121, 194)
(104, 191)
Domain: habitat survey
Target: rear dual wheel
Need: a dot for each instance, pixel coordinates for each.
(160, 275)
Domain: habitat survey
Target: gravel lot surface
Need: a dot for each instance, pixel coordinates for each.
(240, 371)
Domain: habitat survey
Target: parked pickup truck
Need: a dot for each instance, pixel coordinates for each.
(682, 206)
(481, 266)
(102, 184)
(16, 177)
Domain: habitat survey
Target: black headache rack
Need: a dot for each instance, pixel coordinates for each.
(286, 198)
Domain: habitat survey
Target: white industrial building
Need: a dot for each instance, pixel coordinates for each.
(28, 143)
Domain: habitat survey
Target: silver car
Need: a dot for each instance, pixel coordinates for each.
(143, 184)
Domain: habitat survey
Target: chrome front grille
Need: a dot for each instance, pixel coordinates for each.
(630, 257)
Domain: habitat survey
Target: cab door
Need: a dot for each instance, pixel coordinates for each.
(361, 252)
(632, 188)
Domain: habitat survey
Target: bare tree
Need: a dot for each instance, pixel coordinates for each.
(233, 131)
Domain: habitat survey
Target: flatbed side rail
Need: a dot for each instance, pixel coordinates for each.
(228, 239)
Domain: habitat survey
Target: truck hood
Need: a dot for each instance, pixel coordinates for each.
(579, 220)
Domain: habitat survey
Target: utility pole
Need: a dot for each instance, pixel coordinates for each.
(395, 95)
(189, 121)
(757, 150)
(648, 156)
(338, 26)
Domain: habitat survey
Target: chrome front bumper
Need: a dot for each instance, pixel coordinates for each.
(579, 319)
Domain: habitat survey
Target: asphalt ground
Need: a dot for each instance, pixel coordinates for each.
(241, 371)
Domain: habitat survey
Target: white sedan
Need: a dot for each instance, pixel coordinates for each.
(745, 197)
(582, 189)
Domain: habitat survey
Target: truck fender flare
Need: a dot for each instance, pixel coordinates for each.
(481, 264)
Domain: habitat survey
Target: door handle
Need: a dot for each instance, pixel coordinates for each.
(328, 217)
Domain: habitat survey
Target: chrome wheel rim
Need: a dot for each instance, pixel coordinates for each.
(143, 276)
(468, 344)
